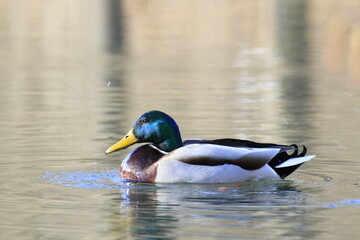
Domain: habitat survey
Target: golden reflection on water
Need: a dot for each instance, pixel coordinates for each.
(75, 74)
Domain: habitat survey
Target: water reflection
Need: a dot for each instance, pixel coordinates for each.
(173, 211)
(148, 217)
(115, 19)
(292, 38)
(292, 31)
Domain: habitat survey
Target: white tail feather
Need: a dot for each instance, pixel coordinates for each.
(295, 161)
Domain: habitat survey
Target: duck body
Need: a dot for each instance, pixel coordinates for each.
(168, 159)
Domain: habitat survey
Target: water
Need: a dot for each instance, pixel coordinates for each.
(74, 75)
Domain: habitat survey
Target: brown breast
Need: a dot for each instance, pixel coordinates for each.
(140, 165)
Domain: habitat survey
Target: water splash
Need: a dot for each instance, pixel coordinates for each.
(87, 180)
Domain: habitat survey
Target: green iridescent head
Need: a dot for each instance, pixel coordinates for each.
(155, 127)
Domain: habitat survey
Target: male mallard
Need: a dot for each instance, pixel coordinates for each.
(168, 159)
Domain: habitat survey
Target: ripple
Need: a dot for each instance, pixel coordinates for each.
(199, 192)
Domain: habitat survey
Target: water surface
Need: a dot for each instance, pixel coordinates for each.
(74, 76)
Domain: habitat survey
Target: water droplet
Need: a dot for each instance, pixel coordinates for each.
(348, 94)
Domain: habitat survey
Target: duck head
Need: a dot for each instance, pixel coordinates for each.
(154, 127)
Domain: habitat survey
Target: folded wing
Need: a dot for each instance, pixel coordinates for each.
(213, 155)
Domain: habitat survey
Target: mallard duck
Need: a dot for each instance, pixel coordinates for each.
(166, 158)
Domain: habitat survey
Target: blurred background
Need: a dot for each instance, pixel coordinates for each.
(74, 75)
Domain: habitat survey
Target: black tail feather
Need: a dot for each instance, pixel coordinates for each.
(283, 157)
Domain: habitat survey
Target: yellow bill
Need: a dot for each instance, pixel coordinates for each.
(126, 141)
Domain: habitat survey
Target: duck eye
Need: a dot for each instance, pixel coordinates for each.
(145, 120)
